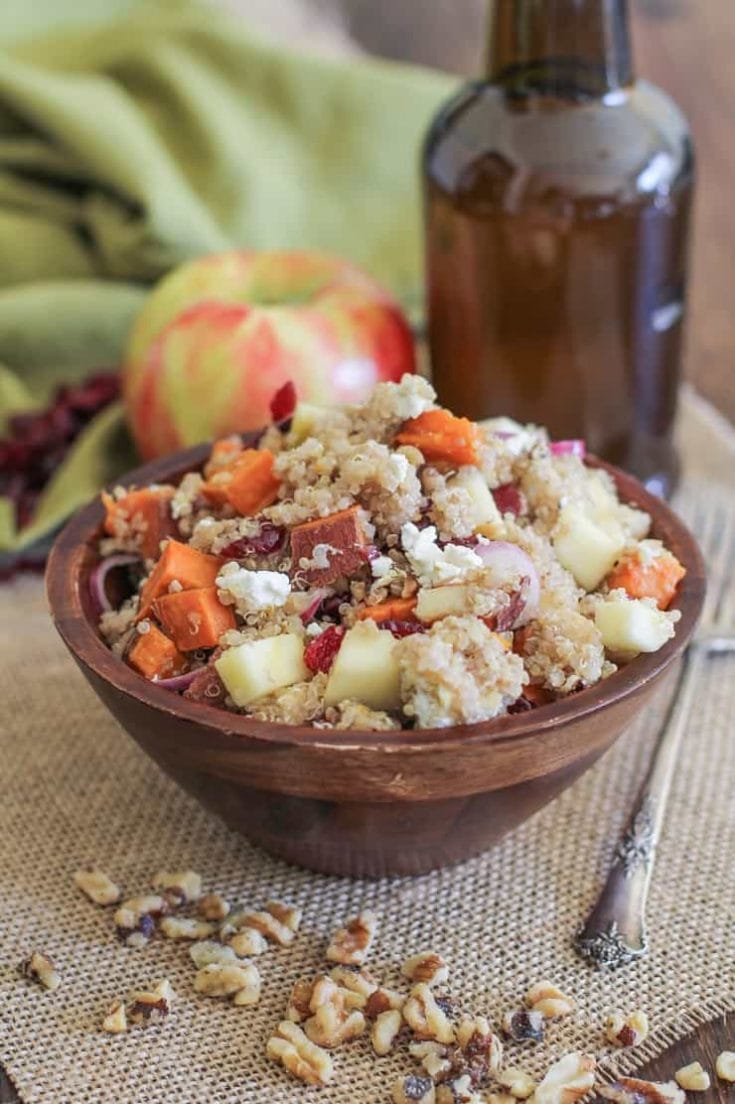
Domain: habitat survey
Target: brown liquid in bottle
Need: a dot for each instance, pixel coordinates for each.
(558, 195)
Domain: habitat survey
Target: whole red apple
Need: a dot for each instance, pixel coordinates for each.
(219, 335)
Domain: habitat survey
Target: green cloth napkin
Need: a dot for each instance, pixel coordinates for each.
(163, 132)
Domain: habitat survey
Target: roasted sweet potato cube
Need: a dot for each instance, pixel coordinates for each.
(194, 618)
(247, 483)
(223, 453)
(154, 655)
(144, 514)
(333, 546)
(181, 563)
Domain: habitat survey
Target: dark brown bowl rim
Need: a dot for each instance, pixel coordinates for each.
(83, 640)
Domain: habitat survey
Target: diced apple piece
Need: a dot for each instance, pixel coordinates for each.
(629, 626)
(365, 670)
(258, 667)
(617, 519)
(435, 602)
(585, 548)
(483, 510)
(305, 418)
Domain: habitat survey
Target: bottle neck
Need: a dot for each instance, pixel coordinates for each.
(565, 49)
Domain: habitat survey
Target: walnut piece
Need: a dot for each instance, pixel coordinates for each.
(567, 1080)
(135, 918)
(385, 1031)
(458, 1091)
(414, 1089)
(480, 1052)
(434, 1057)
(297, 1054)
(208, 951)
(519, 1084)
(250, 993)
(427, 966)
(524, 1025)
(633, 1090)
(225, 979)
(357, 985)
(350, 945)
(248, 942)
(96, 885)
(425, 1017)
(151, 1006)
(500, 1098)
(116, 1020)
(213, 907)
(179, 888)
(331, 1023)
(288, 915)
(693, 1078)
(626, 1031)
(725, 1067)
(186, 927)
(298, 1008)
(270, 926)
(39, 967)
(549, 1001)
(383, 1000)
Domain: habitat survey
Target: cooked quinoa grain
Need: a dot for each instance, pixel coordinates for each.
(387, 566)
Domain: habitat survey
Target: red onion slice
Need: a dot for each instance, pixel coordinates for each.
(508, 561)
(575, 447)
(98, 577)
(178, 682)
(317, 597)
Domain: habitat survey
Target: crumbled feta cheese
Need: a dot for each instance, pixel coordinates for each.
(433, 565)
(517, 438)
(397, 471)
(454, 563)
(252, 590)
(381, 566)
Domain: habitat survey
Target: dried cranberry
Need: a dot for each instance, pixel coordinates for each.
(402, 628)
(509, 499)
(268, 540)
(38, 442)
(283, 402)
(320, 653)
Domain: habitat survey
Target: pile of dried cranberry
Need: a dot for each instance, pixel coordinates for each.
(37, 443)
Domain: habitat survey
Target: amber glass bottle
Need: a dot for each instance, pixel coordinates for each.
(558, 192)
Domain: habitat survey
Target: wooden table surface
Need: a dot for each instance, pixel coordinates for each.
(686, 46)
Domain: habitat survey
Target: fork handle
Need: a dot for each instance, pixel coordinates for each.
(614, 933)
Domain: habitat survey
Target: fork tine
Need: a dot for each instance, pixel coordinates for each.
(724, 615)
(716, 542)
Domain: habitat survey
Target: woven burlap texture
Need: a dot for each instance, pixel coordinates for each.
(74, 790)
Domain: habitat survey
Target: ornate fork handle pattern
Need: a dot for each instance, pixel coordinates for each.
(615, 931)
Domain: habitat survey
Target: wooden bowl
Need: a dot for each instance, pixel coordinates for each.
(363, 803)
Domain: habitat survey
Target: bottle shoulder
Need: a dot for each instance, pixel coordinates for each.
(484, 147)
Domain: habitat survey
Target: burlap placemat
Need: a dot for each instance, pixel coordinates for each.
(74, 789)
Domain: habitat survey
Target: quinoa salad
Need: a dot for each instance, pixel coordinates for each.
(382, 566)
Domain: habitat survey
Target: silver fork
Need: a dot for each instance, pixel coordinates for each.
(614, 933)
